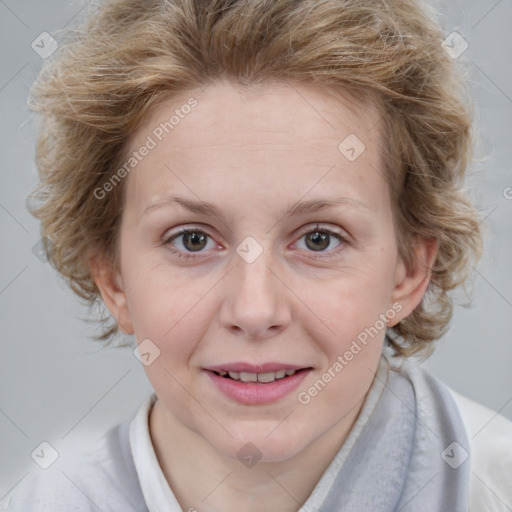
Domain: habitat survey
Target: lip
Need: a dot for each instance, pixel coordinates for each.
(258, 393)
(254, 368)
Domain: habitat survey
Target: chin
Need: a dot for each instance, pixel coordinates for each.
(267, 444)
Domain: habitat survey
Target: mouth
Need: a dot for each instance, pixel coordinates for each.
(257, 384)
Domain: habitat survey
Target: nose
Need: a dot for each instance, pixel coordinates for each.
(256, 305)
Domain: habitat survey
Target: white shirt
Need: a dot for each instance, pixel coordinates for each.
(490, 437)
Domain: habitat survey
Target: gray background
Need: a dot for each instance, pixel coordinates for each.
(58, 386)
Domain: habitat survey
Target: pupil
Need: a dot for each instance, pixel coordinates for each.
(320, 240)
(196, 240)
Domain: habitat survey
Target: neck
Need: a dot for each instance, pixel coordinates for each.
(205, 480)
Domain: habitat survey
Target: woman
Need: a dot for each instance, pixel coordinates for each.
(267, 196)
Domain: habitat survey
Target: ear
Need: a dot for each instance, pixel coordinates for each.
(110, 284)
(412, 279)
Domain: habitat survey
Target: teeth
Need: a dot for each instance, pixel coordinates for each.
(248, 377)
(266, 377)
(258, 377)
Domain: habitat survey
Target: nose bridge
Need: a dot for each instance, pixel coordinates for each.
(257, 303)
(254, 279)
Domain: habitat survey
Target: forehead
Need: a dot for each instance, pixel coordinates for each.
(275, 133)
(316, 115)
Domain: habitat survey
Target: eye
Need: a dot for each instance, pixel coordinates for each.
(188, 241)
(321, 238)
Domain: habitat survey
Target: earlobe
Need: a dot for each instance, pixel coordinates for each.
(413, 279)
(111, 287)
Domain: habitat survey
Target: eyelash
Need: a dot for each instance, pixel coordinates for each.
(180, 254)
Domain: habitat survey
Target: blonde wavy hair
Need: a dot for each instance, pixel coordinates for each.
(129, 55)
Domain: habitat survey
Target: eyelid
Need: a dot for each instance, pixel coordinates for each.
(168, 238)
(318, 226)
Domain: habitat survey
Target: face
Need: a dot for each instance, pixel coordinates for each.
(288, 260)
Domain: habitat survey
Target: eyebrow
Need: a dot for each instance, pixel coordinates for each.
(209, 209)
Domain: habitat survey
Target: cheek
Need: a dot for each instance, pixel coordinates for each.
(168, 311)
(159, 295)
(353, 300)
(353, 310)
(173, 311)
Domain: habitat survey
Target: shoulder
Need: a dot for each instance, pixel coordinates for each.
(488, 433)
(490, 436)
(99, 475)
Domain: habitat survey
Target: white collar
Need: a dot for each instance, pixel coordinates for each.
(155, 488)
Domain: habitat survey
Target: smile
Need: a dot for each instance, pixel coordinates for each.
(257, 384)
